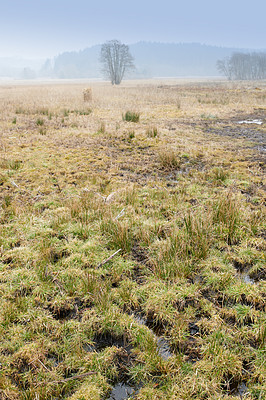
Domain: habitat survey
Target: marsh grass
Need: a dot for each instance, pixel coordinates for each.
(169, 159)
(191, 269)
(102, 128)
(40, 122)
(219, 174)
(227, 216)
(14, 164)
(131, 135)
(152, 132)
(119, 234)
(131, 116)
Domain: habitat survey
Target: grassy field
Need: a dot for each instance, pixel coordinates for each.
(133, 241)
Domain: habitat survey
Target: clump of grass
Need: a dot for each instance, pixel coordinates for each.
(131, 134)
(119, 234)
(184, 246)
(198, 235)
(42, 131)
(219, 174)
(11, 164)
(40, 122)
(14, 121)
(131, 116)
(43, 111)
(3, 179)
(226, 216)
(83, 112)
(21, 110)
(102, 128)
(152, 132)
(66, 112)
(208, 116)
(7, 201)
(169, 159)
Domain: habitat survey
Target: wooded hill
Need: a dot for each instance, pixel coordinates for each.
(151, 60)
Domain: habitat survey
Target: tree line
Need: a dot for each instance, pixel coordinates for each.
(243, 66)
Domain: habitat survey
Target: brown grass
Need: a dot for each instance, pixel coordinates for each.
(178, 311)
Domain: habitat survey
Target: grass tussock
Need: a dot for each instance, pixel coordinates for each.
(169, 159)
(132, 259)
(152, 132)
(131, 116)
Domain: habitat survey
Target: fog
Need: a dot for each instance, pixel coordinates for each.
(36, 29)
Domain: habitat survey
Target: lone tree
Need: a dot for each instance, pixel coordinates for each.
(116, 60)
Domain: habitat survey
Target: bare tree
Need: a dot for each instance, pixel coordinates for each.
(223, 67)
(116, 60)
(241, 66)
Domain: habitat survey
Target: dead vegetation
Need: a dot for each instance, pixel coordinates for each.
(132, 251)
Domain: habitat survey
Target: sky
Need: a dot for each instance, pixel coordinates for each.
(45, 28)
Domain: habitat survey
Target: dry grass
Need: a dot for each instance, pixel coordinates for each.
(178, 309)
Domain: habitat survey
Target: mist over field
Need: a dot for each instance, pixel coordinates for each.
(152, 60)
(62, 39)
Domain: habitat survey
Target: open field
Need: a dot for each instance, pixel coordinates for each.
(133, 253)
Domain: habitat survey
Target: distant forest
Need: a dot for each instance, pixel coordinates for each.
(243, 66)
(151, 60)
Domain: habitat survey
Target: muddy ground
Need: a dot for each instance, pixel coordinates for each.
(251, 127)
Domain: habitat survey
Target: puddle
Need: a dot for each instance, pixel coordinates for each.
(249, 121)
(240, 391)
(124, 389)
(193, 329)
(163, 346)
(236, 389)
(197, 279)
(101, 341)
(121, 391)
(244, 277)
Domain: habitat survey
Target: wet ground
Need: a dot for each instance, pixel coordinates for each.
(163, 346)
(251, 127)
(122, 391)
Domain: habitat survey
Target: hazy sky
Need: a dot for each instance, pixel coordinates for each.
(44, 28)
